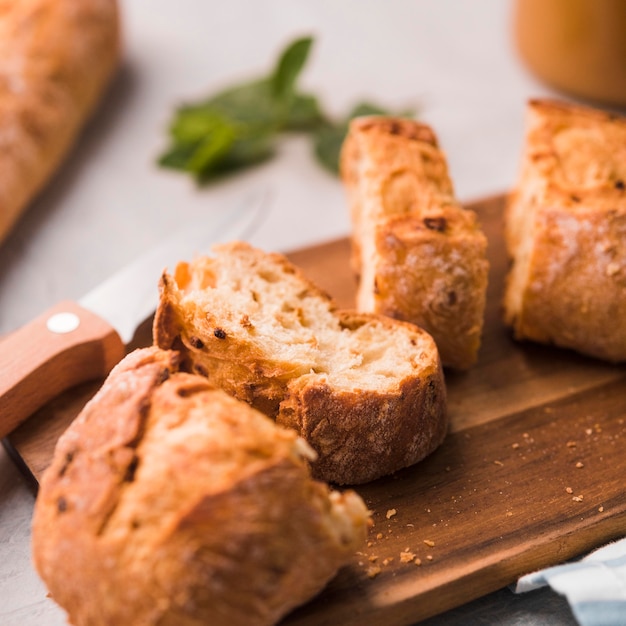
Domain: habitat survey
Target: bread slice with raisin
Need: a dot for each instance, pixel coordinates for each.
(565, 226)
(365, 391)
(418, 254)
(170, 502)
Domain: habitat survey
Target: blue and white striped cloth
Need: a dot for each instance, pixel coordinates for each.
(595, 586)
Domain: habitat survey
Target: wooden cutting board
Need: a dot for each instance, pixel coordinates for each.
(532, 473)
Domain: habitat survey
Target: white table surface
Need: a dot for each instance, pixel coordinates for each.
(452, 58)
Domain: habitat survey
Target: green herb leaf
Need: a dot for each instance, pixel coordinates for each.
(201, 138)
(327, 144)
(250, 103)
(304, 113)
(192, 124)
(290, 64)
(244, 152)
(177, 156)
(211, 149)
(238, 127)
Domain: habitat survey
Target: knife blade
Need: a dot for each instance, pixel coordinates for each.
(77, 341)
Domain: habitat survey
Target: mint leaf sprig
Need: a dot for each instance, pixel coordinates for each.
(239, 126)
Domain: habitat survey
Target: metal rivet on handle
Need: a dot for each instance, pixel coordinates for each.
(62, 323)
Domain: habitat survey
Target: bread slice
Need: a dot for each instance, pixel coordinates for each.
(170, 502)
(419, 255)
(565, 226)
(365, 391)
(56, 58)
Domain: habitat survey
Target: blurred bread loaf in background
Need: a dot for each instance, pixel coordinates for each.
(56, 58)
(565, 227)
(170, 502)
(365, 391)
(418, 254)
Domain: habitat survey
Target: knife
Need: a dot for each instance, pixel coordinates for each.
(74, 342)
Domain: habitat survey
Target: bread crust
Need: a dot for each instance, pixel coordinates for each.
(419, 255)
(170, 502)
(362, 424)
(56, 58)
(565, 226)
(362, 436)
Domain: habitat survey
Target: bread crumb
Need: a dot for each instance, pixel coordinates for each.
(515, 446)
(509, 513)
(379, 536)
(578, 498)
(417, 561)
(391, 513)
(571, 444)
(600, 509)
(388, 560)
(407, 557)
(429, 557)
(372, 558)
(569, 490)
(588, 431)
(373, 571)
(580, 464)
(429, 543)
(500, 463)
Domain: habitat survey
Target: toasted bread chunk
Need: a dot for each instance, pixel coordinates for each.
(170, 502)
(566, 232)
(419, 255)
(365, 391)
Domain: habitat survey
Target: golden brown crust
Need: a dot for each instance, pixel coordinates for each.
(366, 392)
(362, 436)
(566, 232)
(419, 255)
(56, 57)
(411, 286)
(169, 502)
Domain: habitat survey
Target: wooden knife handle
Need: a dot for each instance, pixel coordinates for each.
(64, 346)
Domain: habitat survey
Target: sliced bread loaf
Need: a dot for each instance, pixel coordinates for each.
(366, 392)
(57, 57)
(419, 255)
(170, 502)
(565, 227)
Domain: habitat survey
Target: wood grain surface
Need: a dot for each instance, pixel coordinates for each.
(531, 473)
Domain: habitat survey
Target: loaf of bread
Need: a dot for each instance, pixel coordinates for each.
(56, 57)
(565, 226)
(418, 254)
(170, 502)
(365, 391)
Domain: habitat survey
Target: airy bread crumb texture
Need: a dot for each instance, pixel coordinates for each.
(170, 502)
(365, 391)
